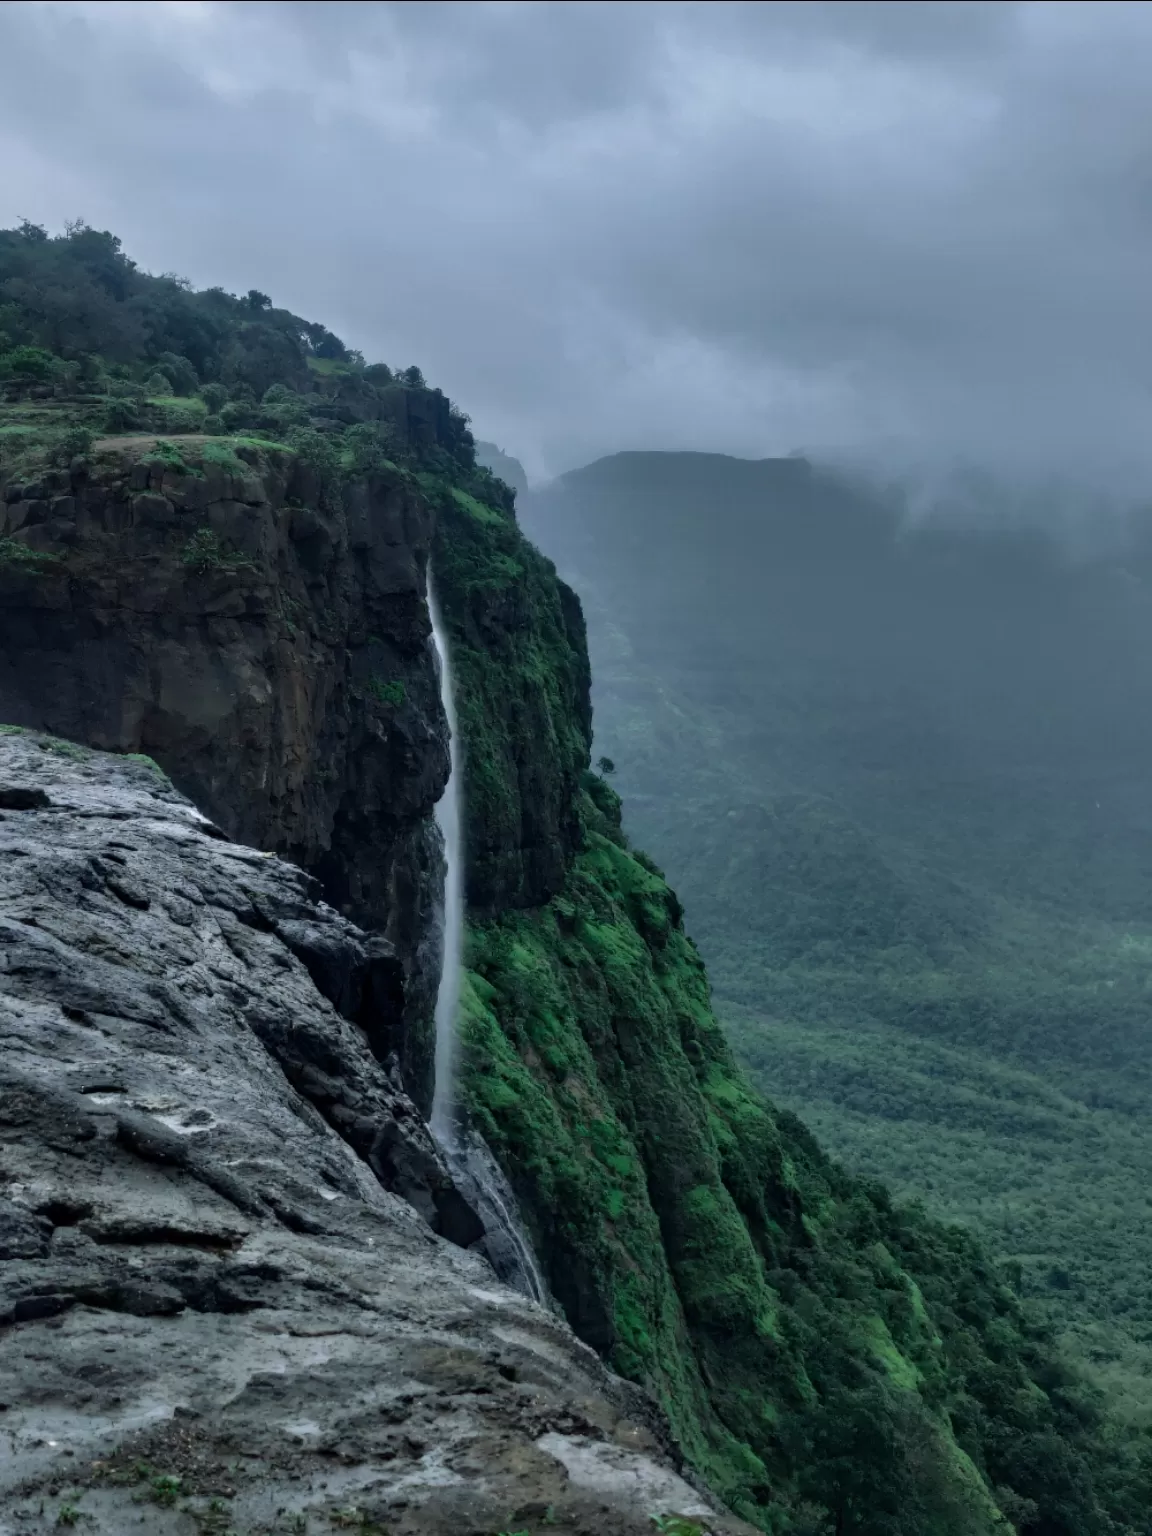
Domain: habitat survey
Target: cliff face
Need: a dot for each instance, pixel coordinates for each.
(209, 606)
(251, 612)
(222, 1303)
(826, 1362)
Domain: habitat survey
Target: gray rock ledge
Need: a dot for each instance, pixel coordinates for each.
(223, 1303)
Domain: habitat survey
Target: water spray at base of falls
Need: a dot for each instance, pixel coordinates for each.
(474, 1169)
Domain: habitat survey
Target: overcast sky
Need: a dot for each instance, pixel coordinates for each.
(729, 227)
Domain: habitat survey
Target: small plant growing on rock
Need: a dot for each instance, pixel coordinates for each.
(392, 693)
(163, 1487)
(13, 553)
(204, 552)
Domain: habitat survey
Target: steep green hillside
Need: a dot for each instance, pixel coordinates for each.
(901, 784)
(829, 1363)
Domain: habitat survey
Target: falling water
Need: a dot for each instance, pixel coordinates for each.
(448, 820)
(474, 1169)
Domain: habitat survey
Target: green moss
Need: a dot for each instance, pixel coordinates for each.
(144, 761)
(60, 748)
(222, 453)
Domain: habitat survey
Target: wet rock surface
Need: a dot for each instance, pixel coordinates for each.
(217, 1312)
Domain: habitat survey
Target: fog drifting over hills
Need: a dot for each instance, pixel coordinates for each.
(923, 230)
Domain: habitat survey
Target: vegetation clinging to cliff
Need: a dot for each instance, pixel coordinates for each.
(831, 1363)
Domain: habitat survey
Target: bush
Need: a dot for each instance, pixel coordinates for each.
(75, 443)
(179, 372)
(180, 419)
(315, 449)
(370, 446)
(120, 416)
(390, 693)
(28, 364)
(214, 397)
(237, 415)
(212, 426)
(157, 383)
(204, 552)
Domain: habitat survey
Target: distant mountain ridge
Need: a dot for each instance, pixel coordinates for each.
(899, 776)
(502, 465)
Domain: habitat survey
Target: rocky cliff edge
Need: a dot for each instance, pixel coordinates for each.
(223, 1306)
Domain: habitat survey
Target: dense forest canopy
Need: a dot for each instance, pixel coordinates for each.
(81, 324)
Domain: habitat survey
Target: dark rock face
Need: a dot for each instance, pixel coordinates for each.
(206, 1265)
(272, 653)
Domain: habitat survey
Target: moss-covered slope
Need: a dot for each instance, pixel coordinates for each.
(829, 1363)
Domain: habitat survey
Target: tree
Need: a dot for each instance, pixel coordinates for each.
(606, 766)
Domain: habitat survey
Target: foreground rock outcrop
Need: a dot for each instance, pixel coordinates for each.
(223, 1303)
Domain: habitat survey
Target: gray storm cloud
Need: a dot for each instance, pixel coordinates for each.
(920, 228)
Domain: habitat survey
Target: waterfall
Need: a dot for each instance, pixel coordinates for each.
(477, 1174)
(449, 821)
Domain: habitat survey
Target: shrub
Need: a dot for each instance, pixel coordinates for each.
(179, 372)
(214, 397)
(120, 416)
(213, 426)
(392, 693)
(369, 446)
(204, 552)
(74, 443)
(30, 364)
(179, 419)
(315, 449)
(157, 383)
(237, 415)
(124, 389)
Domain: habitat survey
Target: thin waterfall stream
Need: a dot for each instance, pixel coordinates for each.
(476, 1172)
(448, 819)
